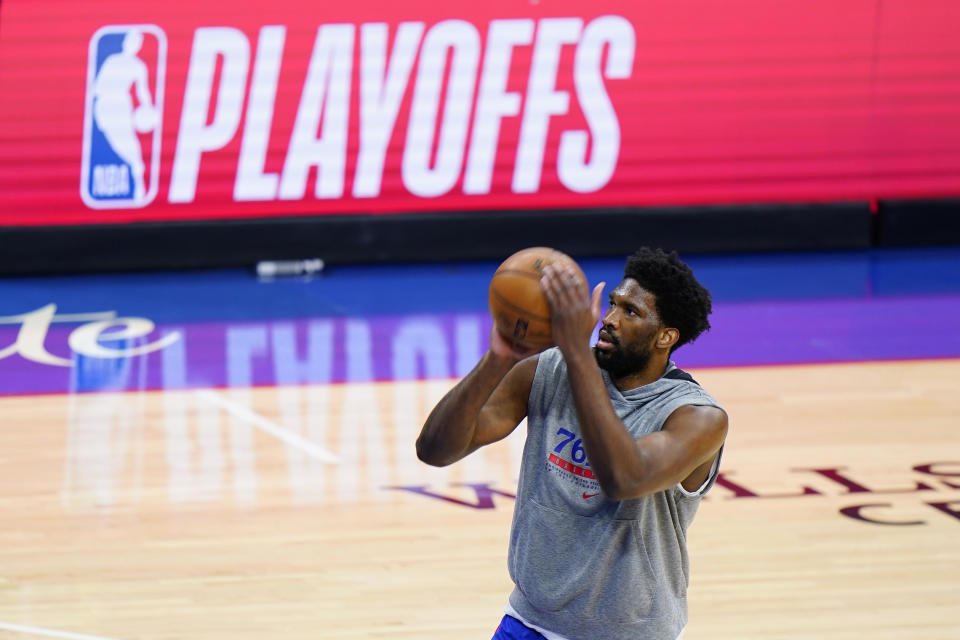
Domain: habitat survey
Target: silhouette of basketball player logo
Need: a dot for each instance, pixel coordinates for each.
(123, 116)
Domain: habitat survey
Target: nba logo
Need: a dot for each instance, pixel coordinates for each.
(123, 116)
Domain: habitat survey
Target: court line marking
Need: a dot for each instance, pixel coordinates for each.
(244, 413)
(52, 633)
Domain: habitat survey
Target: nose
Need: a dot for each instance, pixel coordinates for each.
(610, 316)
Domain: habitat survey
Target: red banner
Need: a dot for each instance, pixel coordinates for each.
(117, 111)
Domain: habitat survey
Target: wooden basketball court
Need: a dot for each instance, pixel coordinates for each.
(302, 512)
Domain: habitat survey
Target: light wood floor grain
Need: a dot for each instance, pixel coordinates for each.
(220, 514)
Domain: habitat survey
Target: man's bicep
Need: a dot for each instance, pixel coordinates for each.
(686, 446)
(507, 406)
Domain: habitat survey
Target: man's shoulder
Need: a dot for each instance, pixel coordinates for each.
(550, 361)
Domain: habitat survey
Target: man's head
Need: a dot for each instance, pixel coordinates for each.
(132, 42)
(657, 308)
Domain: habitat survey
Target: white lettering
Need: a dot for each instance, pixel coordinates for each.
(306, 473)
(494, 102)
(105, 435)
(445, 115)
(243, 455)
(111, 180)
(326, 95)
(243, 345)
(85, 339)
(468, 342)
(380, 97)
(195, 461)
(462, 39)
(359, 344)
(411, 403)
(252, 183)
(174, 364)
(574, 170)
(196, 136)
(362, 437)
(360, 415)
(32, 335)
(289, 369)
(543, 100)
(418, 340)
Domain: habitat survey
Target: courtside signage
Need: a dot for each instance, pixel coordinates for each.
(434, 152)
(118, 113)
(120, 166)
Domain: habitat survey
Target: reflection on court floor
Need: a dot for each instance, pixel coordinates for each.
(333, 444)
(239, 462)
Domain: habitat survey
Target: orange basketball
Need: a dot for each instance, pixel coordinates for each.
(519, 308)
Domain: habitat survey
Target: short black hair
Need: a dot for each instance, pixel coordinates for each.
(682, 302)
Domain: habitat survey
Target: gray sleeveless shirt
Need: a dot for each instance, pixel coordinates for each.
(583, 566)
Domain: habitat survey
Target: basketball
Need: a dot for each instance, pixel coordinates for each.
(517, 304)
(145, 118)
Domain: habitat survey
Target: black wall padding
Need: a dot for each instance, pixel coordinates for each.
(433, 236)
(911, 223)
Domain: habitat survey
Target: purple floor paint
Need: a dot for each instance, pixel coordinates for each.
(59, 354)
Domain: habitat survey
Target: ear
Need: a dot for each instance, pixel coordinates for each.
(667, 337)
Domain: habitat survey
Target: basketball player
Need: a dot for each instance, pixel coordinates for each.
(621, 445)
(113, 105)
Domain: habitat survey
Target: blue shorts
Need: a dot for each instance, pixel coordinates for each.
(512, 629)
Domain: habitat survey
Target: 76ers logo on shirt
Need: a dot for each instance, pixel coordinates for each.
(123, 116)
(576, 469)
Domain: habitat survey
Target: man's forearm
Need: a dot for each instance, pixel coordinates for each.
(449, 430)
(614, 456)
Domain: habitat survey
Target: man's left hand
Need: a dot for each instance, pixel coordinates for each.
(574, 312)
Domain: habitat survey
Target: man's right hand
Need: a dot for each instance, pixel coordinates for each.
(504, 348)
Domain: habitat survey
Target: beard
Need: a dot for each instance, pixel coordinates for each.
(621, 361)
